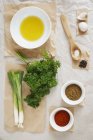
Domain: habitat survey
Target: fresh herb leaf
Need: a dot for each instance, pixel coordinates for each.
(40, 76)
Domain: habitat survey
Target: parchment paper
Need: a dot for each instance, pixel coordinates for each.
(34, 119)
(11, 46)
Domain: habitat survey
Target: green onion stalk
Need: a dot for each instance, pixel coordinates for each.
(15, 78)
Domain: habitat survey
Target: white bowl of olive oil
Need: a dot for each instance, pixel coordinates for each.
(30, 27)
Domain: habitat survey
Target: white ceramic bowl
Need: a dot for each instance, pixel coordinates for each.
(18, 18)
(67, 100)
(57, 127)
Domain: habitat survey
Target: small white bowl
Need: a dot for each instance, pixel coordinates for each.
(66, 99)
(19, 17)
(60, 128)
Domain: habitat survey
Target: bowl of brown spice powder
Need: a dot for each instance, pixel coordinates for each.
(73, 92)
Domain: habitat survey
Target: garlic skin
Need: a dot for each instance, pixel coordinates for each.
(83, 16)
(83, 27)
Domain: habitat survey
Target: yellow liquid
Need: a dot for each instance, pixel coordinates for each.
(32, 28)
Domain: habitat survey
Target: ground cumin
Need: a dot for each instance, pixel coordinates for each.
(73, 92)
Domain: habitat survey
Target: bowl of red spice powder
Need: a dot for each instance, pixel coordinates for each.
(61, 119)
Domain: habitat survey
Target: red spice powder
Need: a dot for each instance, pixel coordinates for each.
(62, 118)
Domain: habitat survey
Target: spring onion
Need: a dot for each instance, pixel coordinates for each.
(15, 78)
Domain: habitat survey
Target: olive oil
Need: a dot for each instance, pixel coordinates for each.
(32, 28)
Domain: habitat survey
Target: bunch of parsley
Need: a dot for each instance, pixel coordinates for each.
(40, 76)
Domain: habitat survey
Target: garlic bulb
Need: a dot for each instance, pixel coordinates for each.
(83, 27)
(82, 16)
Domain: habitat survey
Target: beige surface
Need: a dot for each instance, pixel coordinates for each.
(35, 122)
(34, 119)
(83, 115)
(11, 46)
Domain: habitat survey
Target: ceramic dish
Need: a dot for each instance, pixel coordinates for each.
(60, 128)
(67, 100)
(17, 20)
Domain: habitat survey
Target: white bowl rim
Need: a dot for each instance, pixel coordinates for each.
(50, 24)
(66, 99)
(59, 128)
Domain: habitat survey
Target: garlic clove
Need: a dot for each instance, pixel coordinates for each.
(83, 27)
(83, 16)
